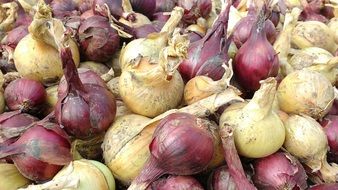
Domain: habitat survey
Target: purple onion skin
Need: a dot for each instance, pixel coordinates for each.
(311, 11)
(144, 31)
(220, 179)
(193, 9)
(98, 40)
(26, 95)
(327, 186)
(146, 7)
(212, 46)
(115, 7)
(330, 125)
(53, 147)
(194, 36)
(15, 35)
(84, 109)
(160, 16)
(63, 8)
(279, 171)
(165, 5)
(15, 119)
(176, 183)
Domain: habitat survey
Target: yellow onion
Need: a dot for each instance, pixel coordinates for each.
(125, 146)
(98, 68)
(313, 33)
(115, 63)
(11, 179)
(133, 19)
(316, 59)
(152, 45)
(51, 99)
(253, 122)
(36, 56)
(80, 175)
(113, 86)
(333, 25)
(306, 140)
(305, 92)
(151, 88)
(121, 109)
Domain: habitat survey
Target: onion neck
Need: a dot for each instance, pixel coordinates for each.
(150, 172)
(329, 172)
(174, 20)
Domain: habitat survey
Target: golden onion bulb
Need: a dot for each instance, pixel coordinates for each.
(306, 92)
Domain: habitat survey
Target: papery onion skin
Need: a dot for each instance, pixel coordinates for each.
(176, 183)
(54, 148)
(63, 8)
(115, 7)
(305, 92)
(99, 41)
(279, 171)
(195, 9)
(330, 124)
(15, 35)
(220, 179)
(146, 7)
(25, 95)
(326, 186)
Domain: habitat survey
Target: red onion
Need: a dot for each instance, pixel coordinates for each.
(330, 125)
(84, 109)
(63, 8)
(143, 31)
(176, 183)
(210, 53)
(311, 11)
(279, 171)
(193, 9)
(220, 179)
(98, 40)
(15, 35)
(334, 108)
(13, 123)
(256, 60)
(115, 7)
(242, 30)
(328, 12)
(84, 5)
(23, 18)
(165, 5)
(87, 14)
(26, 95)
(274, 18)
(327, 186)
(40, 152)
(173, 149)
(146, 7)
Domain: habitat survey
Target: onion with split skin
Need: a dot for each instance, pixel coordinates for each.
(253, 122)
(306, 140)
(151, 88)
(36, 55)
(305, 92)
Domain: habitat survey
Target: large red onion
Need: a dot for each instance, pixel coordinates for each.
(176, 183)
(256, 60)
(146, 7)
(327, 186)
(84, 109)
(330, 124)
(279, 171)
(242, 30)
(98, 40)
(206, 56)
(193, 9)
(26, 95)
(13, 124)
(173, 149)
(220, 179)
(40, 152)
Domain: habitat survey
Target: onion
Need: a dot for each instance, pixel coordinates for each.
(181, 157)
(51, 99)
(313, 34)
(26, 95)
(133, 19)
(8, 15)
(243, 28)
(220, 179)
(99, 41)
(176, 183)
(14, 179)
(330, 124)
(311, 11)
(80, 175)
(98, 68)
(164, 5)
(306, 140)
(63, 8)
(12, 124)
(305, 92)
(206, 56)
(2, 98)
(95, 106)
(15, 35)
(253, 122)
(143, 86)
(327, 186)
(40, 152)
(36, 55)
(316, 59)
(146, 7)
(279, 171)
(193, 9)
(256, 60)
(88, 149)
(115, 7)
(333, 25)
